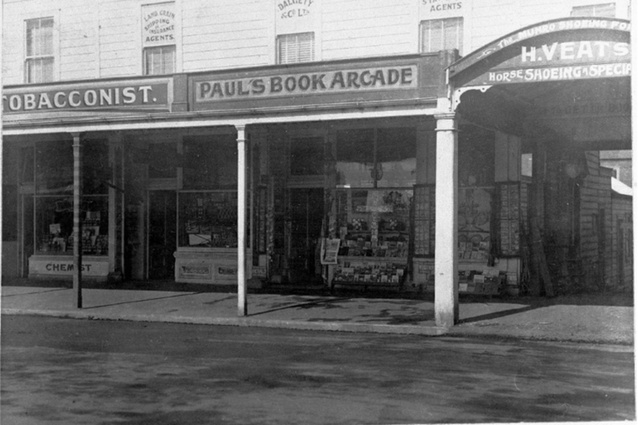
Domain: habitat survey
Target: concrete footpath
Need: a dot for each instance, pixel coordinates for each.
(604, 318)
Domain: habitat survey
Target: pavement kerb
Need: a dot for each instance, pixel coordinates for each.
(239, 321)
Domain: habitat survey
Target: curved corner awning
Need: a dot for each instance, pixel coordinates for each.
(558, 50)
(571, 75)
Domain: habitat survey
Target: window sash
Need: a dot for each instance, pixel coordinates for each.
(39, 58)
(159, 60)
(604, 10)
(295, 48)
(38, 70)
(441, 34)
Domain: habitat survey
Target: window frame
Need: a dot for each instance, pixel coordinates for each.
(590, 10)
(441, 22)
(145, 62)
(40, 58)
(283, 37)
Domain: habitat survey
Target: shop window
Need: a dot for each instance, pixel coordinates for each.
(54, 167)
(476, 157)
(54, 197)
(54, 225)
(9, 212)
(441, 34)
(306, 156)
(526, 164)
(605, 10)
(376, 158)
(210, 162)
(159, 60)
(355, 158)
(208, 219)
(294, 48)
(396, 157)
(27, 163)
(162, 160)
(39, 60)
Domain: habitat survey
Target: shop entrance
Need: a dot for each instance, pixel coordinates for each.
(306, 213)
(162, 235)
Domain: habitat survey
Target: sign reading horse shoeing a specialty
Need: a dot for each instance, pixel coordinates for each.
(158, 24)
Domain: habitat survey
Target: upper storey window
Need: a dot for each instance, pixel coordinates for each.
(159, 34)
(39, 60)
(606, 10)
(441, 34)
(159, 60)
(294, 48)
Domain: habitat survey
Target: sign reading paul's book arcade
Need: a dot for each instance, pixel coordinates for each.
(350, 80)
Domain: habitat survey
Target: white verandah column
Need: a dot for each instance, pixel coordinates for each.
(446, 293)
(242, 305)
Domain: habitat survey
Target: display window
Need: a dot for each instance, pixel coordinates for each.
(54, 225)
(50, 166)
(210, 162)
(374, 223)
(208, 219)
(374, 158)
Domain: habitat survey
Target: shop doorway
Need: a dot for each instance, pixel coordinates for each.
(162, 240)
(306, 214)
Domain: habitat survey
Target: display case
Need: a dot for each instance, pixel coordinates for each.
(207, 242)
(207, 219)
(374, 228)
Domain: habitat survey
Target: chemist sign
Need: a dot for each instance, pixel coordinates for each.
(158, 24)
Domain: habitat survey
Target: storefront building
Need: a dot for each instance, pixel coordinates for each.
(338, 157)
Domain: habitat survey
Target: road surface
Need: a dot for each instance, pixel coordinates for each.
(64, 371)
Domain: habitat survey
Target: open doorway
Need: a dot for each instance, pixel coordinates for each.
(306, 213)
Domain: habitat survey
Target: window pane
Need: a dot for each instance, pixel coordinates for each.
(439, 34)
(210, 162)
(159, 60)
(294, 48)
(606, 10)
(39, 50)
(306, 156)
(208, 219)
(355, 158)
(396, 157)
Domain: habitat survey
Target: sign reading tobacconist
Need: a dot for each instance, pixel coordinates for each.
(49, 98)
(307, 83)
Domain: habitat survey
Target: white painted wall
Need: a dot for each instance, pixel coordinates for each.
(102, 38)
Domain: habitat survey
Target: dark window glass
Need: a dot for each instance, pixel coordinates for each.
(355, 158)
(210, 162)
(162, 160)
(396, 157)
(54, 167)
(306, 156)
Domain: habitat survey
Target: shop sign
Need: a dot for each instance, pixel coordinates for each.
(259, 271)
(227, 271)
(329, 82)
(565, 60)
(437, 9)
(292, 9)
(86, 98)
(158, 24)
(562, 49)
(66, 267)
